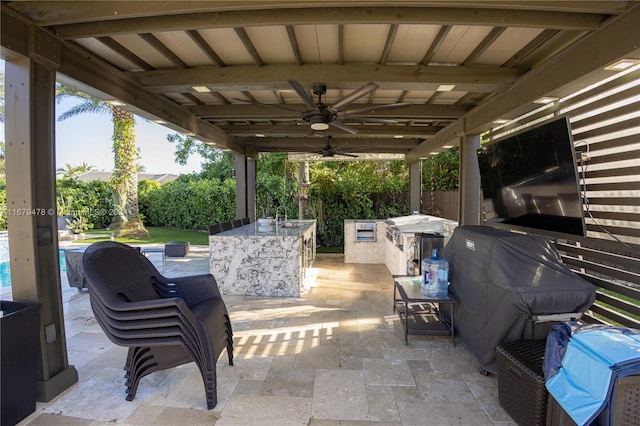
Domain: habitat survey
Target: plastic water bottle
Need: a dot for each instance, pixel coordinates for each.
(435, 276)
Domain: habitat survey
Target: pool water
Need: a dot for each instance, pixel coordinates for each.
(5, 271)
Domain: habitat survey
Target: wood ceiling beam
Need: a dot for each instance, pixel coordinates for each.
(261, 112)
(94, 77)
(351, 76)
(510, 17)
(388, 145)
(61, 12)
(293, 130)
(617, 38)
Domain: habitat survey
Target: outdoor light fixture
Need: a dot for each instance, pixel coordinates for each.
(447, 146)
(159, 121)
(115, 102)
(260, 135)
(445, 87)
(201, 89)
(319, 125)
(500, 121)
(398, 136)
(545, 100)
(622, 64)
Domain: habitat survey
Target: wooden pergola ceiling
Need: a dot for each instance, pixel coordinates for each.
(207, 67)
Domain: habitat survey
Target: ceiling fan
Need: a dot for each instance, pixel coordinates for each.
(321, 116)
(330, 151)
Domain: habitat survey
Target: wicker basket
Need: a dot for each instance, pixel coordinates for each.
(521, 389)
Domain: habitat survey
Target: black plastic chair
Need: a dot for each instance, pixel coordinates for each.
(165, 322)
(214, 229)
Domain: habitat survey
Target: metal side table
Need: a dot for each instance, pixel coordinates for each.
(418, 313)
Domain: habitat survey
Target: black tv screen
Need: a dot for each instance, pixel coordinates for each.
(530, 180)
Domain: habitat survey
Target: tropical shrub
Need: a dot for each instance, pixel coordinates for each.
(189, 203)
(91, 203)
(355, 190)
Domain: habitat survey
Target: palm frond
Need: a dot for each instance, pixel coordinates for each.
(91, 105)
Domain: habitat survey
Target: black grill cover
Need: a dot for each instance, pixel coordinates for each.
(501, 279)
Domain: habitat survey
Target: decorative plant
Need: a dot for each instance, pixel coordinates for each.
(78, 225)
(63, 205)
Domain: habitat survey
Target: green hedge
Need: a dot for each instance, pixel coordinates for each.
(189, 203)
(364, 190)
(92, 201)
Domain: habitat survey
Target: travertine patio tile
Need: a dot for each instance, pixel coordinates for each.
(485, 389)
(444, 387)
(252, 410)
(382, 405)
(340, 395)
(442, 414)
(297, 382)
(334, 357)
(103, 401)
(158, 415)
(49, 419)
(325, 356)
(387, 372)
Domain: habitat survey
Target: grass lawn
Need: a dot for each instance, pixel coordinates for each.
(156, 236)
(164, 235)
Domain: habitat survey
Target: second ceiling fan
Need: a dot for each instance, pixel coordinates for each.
(321, 116)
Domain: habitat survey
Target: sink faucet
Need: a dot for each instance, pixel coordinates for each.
(278, 211)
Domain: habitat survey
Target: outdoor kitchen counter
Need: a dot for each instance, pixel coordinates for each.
(250, 261)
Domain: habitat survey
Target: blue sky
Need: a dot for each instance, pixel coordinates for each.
(87, 138)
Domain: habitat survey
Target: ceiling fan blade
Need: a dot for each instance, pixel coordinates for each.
(356, 94)
(304, 95)
(340, 125)
(267, 105)
(370, 120)
(346, 154)
(375, 108)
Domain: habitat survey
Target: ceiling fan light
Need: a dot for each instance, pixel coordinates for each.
(319, 126)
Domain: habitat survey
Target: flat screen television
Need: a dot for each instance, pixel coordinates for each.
(530, 180)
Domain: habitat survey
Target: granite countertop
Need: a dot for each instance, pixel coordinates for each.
(292, 228)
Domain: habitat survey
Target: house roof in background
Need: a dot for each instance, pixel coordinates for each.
(161, 178)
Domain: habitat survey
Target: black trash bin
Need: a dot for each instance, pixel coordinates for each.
(20, 342)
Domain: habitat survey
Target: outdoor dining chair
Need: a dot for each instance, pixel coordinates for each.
(165, 322)
(214, 229)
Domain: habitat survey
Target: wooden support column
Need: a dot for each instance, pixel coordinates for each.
(251, 188)
(470, 204)
(241, 186)
(415, 186)
(31, 210)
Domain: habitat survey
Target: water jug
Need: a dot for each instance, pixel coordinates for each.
(435, 276)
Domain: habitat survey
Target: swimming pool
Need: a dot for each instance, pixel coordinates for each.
(5, 271)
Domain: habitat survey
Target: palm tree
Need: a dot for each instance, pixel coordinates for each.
(124, 181)
(70, 171)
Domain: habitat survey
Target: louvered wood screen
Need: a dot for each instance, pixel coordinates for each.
(605, 121)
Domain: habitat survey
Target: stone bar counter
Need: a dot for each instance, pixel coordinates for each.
(251, 261)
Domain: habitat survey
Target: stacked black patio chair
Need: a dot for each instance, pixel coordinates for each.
(214, 229)
(165, 322)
